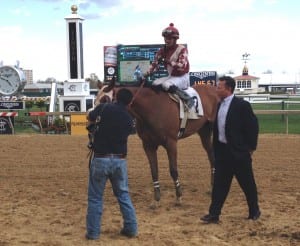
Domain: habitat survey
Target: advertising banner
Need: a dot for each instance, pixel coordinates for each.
(110, 62)
(5, 127)
(12, 105)
(72, 106)
(203, 77)
(78, 124)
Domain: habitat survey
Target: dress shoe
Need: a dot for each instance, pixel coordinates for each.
(210, 219)
(254, 216)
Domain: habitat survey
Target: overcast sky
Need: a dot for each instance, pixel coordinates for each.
(217, 32)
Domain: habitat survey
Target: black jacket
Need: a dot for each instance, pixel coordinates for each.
(241, 129)
(115, 126)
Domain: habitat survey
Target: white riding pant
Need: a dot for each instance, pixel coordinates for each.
(182, 82)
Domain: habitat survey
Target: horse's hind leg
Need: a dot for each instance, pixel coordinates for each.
(151, 152)
(205, 134)
(171, 148)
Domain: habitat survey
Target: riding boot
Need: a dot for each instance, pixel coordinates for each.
(189, 101)
(156, 88)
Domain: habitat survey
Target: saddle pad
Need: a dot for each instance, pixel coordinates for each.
(196, 111)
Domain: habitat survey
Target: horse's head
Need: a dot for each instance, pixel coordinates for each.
(105, 94)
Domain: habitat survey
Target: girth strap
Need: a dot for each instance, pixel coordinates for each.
(183, 124)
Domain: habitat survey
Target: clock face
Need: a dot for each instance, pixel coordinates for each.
(10, 80)
(110, 70)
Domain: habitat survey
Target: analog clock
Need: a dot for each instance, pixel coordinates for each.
(12, 80)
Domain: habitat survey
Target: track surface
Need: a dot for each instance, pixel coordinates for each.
(43, 183)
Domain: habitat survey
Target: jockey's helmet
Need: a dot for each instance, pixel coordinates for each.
(170, 32)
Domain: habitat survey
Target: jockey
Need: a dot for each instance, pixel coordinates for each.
(175, 59)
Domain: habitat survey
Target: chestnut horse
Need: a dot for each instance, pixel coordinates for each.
(158, 123)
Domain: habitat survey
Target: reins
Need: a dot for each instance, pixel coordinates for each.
(137, 92)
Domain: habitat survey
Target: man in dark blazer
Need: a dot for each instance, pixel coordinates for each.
(234, 140)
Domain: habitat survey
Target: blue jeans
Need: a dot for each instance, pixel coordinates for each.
(115, 170)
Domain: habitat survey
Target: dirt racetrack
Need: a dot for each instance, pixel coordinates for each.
(43, 183)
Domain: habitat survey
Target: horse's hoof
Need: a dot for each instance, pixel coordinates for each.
(178, 191)
(178, 202)
(157, 194)
(157, 197)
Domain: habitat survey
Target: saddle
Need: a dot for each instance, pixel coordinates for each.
(184, 112)
(194, 113)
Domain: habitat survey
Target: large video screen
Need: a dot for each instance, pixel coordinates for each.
(134, 59)
(125, 62)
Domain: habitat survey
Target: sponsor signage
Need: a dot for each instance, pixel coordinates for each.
(72, 106)
(78, 124)
(5, 127)
(76, 88)
(203, 77)
(12, 105)
(110, 62)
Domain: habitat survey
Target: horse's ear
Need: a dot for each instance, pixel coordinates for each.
(99, 84)
(110, 86)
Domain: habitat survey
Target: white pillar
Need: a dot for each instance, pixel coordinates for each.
(76, 90)
(75, 46)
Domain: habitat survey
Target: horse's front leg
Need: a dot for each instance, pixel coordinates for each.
(171, 148)
(151, 152)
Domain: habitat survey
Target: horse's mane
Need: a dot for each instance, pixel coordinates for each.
(146, 91)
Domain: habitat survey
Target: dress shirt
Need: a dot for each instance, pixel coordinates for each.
(222, 114)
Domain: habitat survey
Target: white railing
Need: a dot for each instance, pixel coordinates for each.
(280, 112)
(285, 113)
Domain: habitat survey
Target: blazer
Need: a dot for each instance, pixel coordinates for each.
(241, 129)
